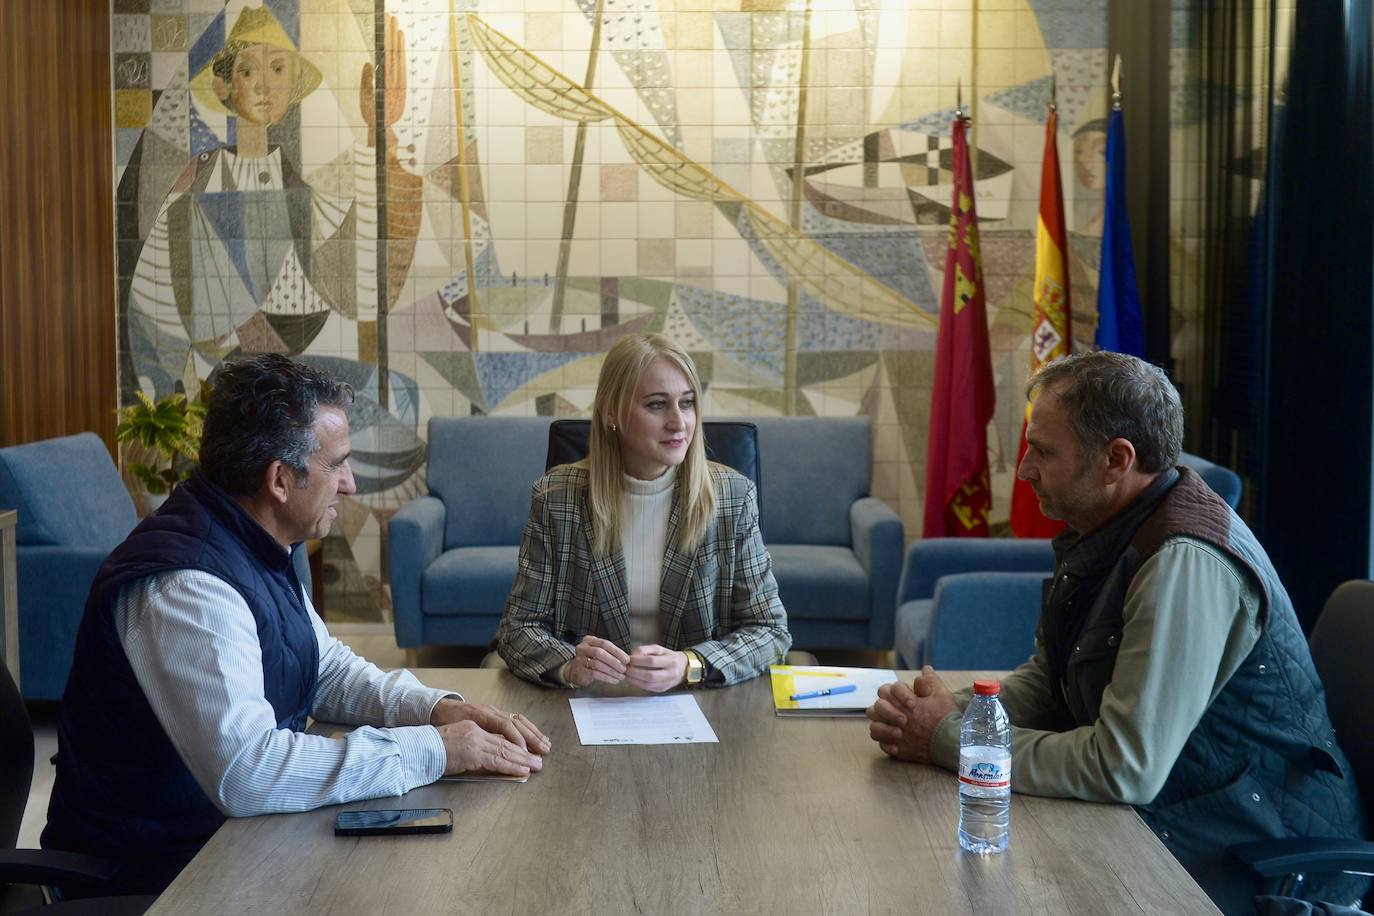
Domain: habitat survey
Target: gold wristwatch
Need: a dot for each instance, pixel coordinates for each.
(696, 669)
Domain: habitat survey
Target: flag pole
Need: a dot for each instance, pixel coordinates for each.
(1116, 84)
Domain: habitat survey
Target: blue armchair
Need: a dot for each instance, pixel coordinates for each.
(836, 550)
(453, 552)
(847, 614)
(1223, 480)
(974, 603)
(974, 588)
(73, 510)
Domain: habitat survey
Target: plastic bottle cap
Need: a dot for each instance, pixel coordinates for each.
(987, 688)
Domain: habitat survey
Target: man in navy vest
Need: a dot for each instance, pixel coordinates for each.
(199, 657)
(1170, 672)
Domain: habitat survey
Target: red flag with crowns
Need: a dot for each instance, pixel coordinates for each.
(1051, 329)
(958, 492)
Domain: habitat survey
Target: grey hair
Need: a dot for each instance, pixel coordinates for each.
(1113, 395)
(263, 410)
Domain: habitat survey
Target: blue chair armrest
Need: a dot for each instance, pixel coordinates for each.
(984, 620)
(54, 582)
(876, 533)
(1290, 855)
(416, 536)
(929, 560)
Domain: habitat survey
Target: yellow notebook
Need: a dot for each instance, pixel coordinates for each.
(826, 690)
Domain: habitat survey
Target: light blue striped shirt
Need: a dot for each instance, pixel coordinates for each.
(193, 646)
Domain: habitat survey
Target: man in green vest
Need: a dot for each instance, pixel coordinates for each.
(1170, 672)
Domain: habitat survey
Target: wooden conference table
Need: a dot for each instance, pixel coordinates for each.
(782, 816)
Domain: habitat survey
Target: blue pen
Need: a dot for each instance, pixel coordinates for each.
(828, 692)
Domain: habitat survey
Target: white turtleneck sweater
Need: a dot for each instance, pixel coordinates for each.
(644, 509)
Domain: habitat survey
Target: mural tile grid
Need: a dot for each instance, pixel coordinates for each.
(465, 229)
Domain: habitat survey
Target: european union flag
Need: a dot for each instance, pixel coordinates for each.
(1118, 300)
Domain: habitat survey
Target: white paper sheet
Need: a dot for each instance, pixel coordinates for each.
(674, 719)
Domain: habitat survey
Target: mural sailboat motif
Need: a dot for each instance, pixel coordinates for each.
(901, 177)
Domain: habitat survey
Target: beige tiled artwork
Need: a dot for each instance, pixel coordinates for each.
(619, 182)
(711, 165)
(544, 145)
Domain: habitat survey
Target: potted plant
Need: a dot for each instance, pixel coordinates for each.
(169, 432)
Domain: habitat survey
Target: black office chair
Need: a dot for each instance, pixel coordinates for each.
(732, 443)
(1342, 645)
(24, 871)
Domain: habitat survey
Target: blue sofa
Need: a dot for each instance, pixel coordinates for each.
(453, 552)
(836, 550)
(975, 602)
(73, 510)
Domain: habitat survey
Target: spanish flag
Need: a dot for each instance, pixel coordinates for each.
(1051, 330)
(958, 492)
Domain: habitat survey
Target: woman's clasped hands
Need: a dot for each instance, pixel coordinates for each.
(651, 667)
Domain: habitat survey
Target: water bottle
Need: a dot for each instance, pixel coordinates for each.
(985, 772)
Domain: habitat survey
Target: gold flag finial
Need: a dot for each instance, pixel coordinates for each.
(1116, 84)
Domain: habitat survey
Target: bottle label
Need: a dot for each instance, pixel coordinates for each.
(985, 768)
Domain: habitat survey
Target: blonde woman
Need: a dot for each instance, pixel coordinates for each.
(643, 562)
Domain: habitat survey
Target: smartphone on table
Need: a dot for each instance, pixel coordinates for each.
(393, 821)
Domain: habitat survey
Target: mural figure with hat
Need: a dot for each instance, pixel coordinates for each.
(245, 256)
(1088, 213)
(1090, 176)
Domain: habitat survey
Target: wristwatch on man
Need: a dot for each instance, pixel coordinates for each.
(696, 669)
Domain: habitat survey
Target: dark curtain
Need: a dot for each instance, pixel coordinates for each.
(1278, 383)
(1319, 366)
(1222, 116)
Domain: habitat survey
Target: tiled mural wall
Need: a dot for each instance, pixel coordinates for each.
(460, 213)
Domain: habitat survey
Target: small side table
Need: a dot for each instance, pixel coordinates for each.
(9, 592)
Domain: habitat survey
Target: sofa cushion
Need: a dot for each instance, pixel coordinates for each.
(483, 468)
(469, 580)
(814, 469)
(67, 491)
(817, 582)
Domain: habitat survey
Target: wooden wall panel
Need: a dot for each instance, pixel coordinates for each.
(57, 313)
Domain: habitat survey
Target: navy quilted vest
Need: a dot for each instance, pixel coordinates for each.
(1263, 761)
(121, 789)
